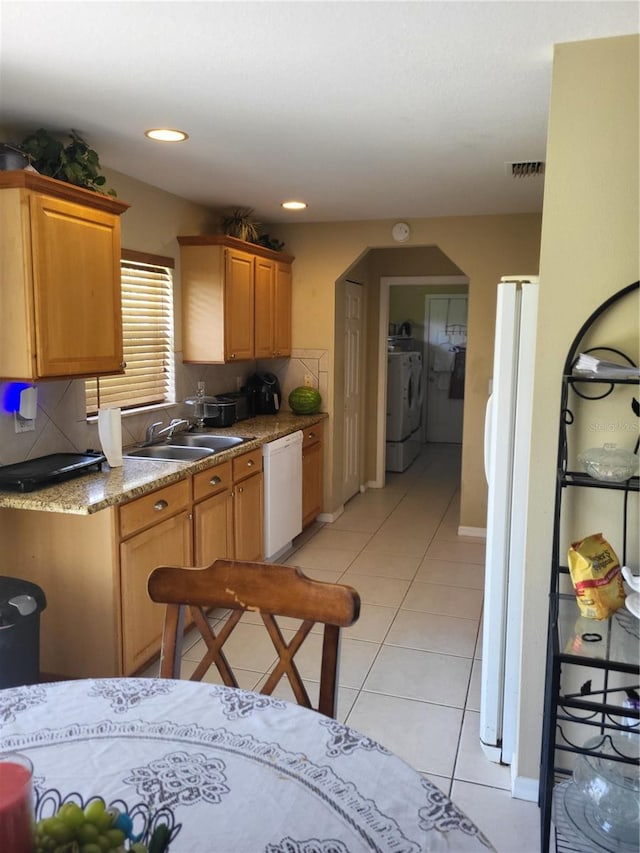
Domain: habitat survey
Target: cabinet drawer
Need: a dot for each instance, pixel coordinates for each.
(154, 507)
(311, 435)
(247, 464)
(212, 481)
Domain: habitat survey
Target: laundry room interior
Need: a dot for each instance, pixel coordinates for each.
(426, 359)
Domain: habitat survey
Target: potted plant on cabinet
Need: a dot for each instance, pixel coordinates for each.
(76, 163)
(238, 224)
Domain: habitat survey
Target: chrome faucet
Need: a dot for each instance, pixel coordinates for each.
(150, 436)
(154, 434)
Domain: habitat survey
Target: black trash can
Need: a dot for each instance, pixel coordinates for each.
(21, 603)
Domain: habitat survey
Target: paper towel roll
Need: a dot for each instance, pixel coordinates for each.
(110, 433)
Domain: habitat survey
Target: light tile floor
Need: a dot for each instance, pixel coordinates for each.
(410, 666)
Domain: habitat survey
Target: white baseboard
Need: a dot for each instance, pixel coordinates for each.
(328, 517)
(524, 788)
(374, 484)
(476, 532)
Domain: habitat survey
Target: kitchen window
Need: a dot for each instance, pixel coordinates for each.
(147, 328)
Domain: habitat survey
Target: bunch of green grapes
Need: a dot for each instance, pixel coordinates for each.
(90, 830)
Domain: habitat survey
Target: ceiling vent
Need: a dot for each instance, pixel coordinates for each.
(525, 168)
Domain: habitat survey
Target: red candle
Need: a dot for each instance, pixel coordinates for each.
(16, 806)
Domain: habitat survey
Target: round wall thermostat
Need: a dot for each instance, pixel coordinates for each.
(400, 232)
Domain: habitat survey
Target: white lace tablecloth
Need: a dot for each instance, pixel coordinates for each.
(239, 772)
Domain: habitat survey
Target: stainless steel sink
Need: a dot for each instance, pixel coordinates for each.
(213, 442)
(170, 453)
(188, 447)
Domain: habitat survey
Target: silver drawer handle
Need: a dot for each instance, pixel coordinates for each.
(160, 505)
(215, 481)
(241, 489)
(311, 435)
(250, 463)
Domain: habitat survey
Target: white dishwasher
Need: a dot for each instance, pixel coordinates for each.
(282, 470)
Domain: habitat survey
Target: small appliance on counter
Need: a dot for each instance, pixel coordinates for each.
(264, 389)
(219, 411)
(244, 403)
(47, 470)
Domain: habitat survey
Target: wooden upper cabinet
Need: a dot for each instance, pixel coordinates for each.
(264, 283)
(238, 306)
(282, 310)
(236, 300)
(60, 297)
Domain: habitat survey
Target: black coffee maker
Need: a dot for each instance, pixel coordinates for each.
(266, 396)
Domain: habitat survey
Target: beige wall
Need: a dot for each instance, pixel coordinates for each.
(153, 222)
(589, 251)
(407, 303)
(480, 247)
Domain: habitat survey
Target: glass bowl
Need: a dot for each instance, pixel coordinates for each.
(612, 787)
(609, 463)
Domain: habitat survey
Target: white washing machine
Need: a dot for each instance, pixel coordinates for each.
(404, 404)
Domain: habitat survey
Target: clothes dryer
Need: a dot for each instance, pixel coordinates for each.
(404, 402)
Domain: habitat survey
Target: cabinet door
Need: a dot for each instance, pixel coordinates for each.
(282, 311)
(76, 281)
(202, 274)
(264, 285)
(165, 544)
(238, 306)
(213, 528)
(311, 483)
(248, 519)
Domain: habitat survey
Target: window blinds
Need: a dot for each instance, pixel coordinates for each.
(147, 328)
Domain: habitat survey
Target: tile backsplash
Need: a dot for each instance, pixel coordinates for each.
(291, 372)
(61, 425)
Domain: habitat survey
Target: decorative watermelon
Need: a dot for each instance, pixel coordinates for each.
(305, 400)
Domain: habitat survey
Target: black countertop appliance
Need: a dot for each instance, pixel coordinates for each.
(265, 392)
(244, 403)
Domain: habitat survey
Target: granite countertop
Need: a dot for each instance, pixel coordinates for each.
(98, 490)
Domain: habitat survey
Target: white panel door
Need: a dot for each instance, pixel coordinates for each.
(352, 391)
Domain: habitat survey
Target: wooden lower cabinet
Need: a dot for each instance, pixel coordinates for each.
(248, 519)
(93, 569)
(74, 559)
(248, 506)
(312, 479)
(213, 514)
(155, 530)
(165, 544)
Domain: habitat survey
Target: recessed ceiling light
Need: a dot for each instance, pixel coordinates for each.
(294, 205)
(166, 134)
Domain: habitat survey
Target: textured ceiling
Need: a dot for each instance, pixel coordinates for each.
(365, 110)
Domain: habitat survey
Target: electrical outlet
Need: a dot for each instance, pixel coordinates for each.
(201, 388)
(23, 424)
(308, 380)
(238, 383)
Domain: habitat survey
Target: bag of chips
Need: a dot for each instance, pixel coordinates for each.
(595, 573)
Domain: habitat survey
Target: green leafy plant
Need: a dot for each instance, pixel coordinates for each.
(238, 224)
(270, 242)
(74, 162)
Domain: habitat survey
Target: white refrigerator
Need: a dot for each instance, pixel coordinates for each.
(507, 442)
